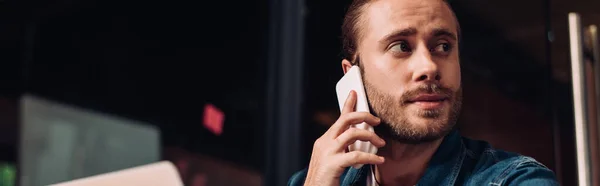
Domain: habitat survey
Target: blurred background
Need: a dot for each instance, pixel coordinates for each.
(235, 93)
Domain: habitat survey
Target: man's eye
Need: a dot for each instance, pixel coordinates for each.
(442, 48)
(400, 47)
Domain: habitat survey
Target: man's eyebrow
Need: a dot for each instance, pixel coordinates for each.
(443, 32)
(399, 33)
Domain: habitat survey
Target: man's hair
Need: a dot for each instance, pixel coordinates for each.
(350, 29)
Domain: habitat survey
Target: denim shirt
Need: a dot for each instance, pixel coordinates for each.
(462, 161)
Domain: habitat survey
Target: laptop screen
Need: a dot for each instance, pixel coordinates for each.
(59, 142)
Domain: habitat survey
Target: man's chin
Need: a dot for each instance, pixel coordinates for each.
(416, 130)
(419, 138)
(419, 114)
(426, 121)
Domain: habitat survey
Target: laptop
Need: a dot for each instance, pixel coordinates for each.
(156, 174)
(61, 142)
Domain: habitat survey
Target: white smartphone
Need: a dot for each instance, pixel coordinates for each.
(352, 80)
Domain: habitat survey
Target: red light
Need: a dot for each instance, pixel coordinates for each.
(213, 119)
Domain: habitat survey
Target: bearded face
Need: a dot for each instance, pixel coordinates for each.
(405, 121)
(409, 57)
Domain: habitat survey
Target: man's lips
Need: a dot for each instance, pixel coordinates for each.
(428, 101)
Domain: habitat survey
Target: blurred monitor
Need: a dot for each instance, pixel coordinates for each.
(59, 142)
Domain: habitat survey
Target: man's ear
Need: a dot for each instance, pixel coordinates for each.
(346, 65)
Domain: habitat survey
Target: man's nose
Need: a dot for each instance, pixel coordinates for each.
(425, 68)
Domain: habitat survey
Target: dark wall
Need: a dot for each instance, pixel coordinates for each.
(8, 130)
(156, 61)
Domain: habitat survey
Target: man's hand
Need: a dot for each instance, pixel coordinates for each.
(329, 157)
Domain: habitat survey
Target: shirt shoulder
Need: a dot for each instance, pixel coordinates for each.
(485, 165)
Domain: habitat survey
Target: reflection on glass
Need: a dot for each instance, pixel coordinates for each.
(590, 56)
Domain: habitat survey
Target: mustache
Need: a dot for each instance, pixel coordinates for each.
(429, 88)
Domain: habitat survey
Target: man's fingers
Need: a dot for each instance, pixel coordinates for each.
(358, 157)
(350, 102)
(352, 118)
(353, 134)
(359, 117)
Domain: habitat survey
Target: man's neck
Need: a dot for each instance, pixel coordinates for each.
(404, 163)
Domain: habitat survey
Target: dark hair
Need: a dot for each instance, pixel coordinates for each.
(350, 31)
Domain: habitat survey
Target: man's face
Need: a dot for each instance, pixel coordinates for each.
(408, 51)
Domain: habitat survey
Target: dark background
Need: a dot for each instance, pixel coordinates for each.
(162, 61)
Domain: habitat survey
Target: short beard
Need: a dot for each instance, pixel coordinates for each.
(395, 124)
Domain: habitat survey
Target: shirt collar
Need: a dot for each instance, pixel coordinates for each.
(446, 162)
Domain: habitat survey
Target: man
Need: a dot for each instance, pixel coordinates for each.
(408, 54)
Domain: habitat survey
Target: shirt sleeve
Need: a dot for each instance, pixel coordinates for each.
(298, 178)
(530, 172)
